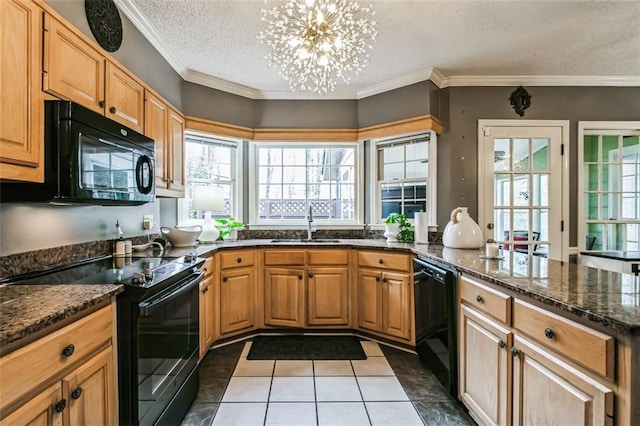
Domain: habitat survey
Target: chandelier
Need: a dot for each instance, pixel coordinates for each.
(315, 42)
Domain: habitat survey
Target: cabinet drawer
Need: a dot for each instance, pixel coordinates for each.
(236, 259)
(207, 267)
(588, 347)
(328, 257)
(486, 299)
(384, 260)
(283, 257)
(32, 365)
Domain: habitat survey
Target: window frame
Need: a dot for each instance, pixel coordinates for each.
(236, 184)
(375, 220)
(256, 223)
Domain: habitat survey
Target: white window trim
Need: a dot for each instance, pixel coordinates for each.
(375, 207)
(238, 199)
(255, 223)
(585, 127)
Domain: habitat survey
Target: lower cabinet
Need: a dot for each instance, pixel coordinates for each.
(40, 410)
(237, 300)
(206, 315)
(284, 297)
(327, 296)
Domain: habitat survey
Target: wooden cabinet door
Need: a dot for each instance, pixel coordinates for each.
(396, 306)
(237, 295)
(90, 392)
(125, 98)
(485, 367)
(206, 315)
(156, 121)
(176, 159)
(21, 121)
(284, 297)
(370, 300)
(40, 410)
(547, 390)
(73, 69)
(328, 296)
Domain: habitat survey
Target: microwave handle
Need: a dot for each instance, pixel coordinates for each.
(144, 187)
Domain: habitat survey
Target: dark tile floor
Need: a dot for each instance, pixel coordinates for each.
(424, 391)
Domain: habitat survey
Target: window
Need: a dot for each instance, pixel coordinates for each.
(291, 177)
(609, 155)
(404, 175)
(211, 161)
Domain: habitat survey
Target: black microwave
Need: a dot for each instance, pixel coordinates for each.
(89, 159)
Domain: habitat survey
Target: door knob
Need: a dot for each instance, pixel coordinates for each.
(112, 110)
(489, 225)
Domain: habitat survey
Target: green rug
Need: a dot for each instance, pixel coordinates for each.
(306, 347)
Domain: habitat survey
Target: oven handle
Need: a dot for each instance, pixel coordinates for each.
(147, 310)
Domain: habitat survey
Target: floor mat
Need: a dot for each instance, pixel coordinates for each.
(306, 347)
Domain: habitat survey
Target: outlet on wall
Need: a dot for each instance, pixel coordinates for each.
(147, 221)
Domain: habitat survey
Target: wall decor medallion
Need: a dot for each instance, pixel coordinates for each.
(520, 100)
(105, 23)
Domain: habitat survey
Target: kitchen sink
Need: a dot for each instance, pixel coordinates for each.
(304, 240)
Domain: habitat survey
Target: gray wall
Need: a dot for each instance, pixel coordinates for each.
(211, 104)
(136, 53)
(457, 177)
(405, 102)
(330, 114)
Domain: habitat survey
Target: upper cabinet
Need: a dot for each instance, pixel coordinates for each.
(21, 102)
(75, 70)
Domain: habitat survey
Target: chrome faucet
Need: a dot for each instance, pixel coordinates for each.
(309, 220)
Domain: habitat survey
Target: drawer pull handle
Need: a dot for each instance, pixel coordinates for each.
(239, 260)
(502, 344)
(380, 261)
(68, 351)
(77, 392)
(225, 279)
(310, 274)
(102, 104)
(549, 333)
(479, 299)
(60, 406)
(514, 352)
(112, 110)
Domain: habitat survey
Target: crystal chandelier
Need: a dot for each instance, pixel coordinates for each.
(315, 42)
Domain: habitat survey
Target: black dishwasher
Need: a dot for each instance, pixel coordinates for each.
(435, 296)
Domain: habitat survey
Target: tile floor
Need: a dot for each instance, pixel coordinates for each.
(390, 387)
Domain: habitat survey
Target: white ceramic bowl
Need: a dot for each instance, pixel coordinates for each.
(183, 236)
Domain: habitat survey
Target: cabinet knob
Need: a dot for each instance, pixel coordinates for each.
(384, 280)
(239, 260)
(225, 279)
(102, 104)
(380, 261)
(205, 290)
(514, 352)
(377, 278)
(549, 333)
(502, 344)
(310, 274)
(112, 110)
(299, 277)
(68, 351)
(77, 392)
(60, 406)
(479, 299)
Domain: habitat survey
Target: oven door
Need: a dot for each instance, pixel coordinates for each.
(167, 331)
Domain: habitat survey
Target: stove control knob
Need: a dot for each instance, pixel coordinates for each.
(190, 258)
(148, 275)
(138, 278)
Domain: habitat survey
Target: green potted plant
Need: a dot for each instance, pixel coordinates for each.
(398, 228)
(229, 228)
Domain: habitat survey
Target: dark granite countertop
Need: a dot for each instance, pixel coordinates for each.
(30, 309)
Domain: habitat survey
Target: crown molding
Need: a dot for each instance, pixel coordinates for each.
(144, 26)
(402, 81)
(539, 80)
(220, 84)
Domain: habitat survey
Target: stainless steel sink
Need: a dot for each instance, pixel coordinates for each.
(304, 240)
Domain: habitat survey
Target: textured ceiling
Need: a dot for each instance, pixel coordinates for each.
(596, 39)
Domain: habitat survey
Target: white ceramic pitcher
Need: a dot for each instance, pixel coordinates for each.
(462, 231)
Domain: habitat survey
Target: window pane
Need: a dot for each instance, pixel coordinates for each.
(540, 154)
(411, 207)
(270, 192)
(521, 220)
(415, 190)
(591, 206)
(610, 152)
(610, 203)
(630, 205)
(391, 207)
(294, 192)
(521, 190)
(394, 154)
(596, 231)
(316, 156)
(345, 174)
(294, 156)
(540, 218)
(502, 222)
(540, 190)
(502, 154)
(416, 169)
(294, 208)
(502, 190)
(270, 209)
(591, 177)
(270, 175)
(270, 156)
(520, 155)
(391, 192)
(344, 156)
(294, 175)
(590, 145)
(393, 171)
(631, 149)
(417, 151)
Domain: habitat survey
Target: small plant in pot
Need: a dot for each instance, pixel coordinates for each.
(229, 228)
(398, 228)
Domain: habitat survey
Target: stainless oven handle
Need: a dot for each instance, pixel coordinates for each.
(148, 309)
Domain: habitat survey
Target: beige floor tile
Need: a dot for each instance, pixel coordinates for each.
(254, 368)
(393, 414)
(381, 389)
(373, 366)
(293, 368)
(371, 348)
(291, 414)
(285, 389)
(245, 350)
(247, 389)
(337, 389)
(240, 414)
(342, 414)
(332, 368)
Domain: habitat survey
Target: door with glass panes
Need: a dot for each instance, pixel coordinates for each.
(520, 188)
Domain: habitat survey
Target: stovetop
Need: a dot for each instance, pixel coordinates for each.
(130, 271)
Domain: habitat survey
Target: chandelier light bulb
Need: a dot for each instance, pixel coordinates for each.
(316, 42)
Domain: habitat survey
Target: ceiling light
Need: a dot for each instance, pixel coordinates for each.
(315, 42)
